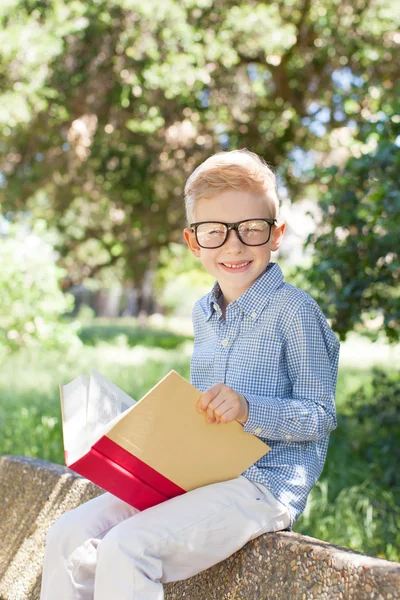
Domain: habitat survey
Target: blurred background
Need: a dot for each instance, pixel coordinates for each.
(105, 109)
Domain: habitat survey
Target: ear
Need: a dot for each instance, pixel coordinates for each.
(277, 235)
(190, 239)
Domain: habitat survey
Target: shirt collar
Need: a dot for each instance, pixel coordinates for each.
(253, 301)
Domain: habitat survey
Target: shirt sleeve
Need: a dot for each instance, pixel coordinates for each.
(311, 353)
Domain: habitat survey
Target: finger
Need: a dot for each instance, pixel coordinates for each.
(217, 407)
(229, 415)
(208, 396)
(226, 395)
(225, 406)
(227, 411)
(214, 407)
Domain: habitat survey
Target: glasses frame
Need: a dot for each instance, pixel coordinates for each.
(229, 226)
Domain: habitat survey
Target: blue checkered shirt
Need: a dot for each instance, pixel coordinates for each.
(277, 349)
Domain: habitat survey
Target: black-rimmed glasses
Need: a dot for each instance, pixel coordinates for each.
(251, 232)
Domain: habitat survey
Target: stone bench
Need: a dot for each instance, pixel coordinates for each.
(276, 566)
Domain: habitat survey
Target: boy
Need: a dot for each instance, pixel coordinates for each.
(264, 356)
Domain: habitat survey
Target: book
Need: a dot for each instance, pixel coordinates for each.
(148, 451)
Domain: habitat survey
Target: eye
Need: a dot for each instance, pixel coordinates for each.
(211, 230)
(215, 230)
(254, 228)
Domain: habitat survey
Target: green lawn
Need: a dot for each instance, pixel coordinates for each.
(355, 503)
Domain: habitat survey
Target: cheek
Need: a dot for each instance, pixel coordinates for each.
(262, 253)
(208, 257)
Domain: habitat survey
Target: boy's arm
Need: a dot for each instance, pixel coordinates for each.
(312, 353)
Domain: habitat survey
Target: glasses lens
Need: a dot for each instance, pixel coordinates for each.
(254, 233)
(211, 235)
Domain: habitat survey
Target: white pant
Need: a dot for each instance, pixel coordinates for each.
(107, 549)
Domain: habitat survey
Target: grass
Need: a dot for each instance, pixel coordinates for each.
(130, 335)
(350, 505)
(30, 418)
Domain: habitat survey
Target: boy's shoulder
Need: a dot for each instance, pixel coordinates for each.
(297, 312)
(288, 296)
(290, 301)
(286, 301)
(286, 311)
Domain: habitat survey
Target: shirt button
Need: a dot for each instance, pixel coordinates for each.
(253, 315)
(288, 437)
(258, 430)
(225, 342)
(215, 306)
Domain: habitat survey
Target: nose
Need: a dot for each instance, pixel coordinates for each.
(233, 242)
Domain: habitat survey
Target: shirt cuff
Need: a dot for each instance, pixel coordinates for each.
(256, 421)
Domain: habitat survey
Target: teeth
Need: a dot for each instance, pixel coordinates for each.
(236, 266)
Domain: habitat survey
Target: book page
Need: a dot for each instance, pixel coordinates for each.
(106, 402)
(73, 410)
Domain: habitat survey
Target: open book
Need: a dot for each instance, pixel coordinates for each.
(149, 451)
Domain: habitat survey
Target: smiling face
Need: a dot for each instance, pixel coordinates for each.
(235, 265)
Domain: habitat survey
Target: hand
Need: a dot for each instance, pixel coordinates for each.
(222, 405)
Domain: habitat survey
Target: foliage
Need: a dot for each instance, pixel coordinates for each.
(107, 106)
(357, 500)
(130, 336)
(31, 301)
(355, 271)
(377, 419)
(180, 279)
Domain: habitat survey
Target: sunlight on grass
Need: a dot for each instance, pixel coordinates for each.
(361, 353)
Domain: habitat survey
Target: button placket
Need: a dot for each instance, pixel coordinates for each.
(228, 331)
(221, 354)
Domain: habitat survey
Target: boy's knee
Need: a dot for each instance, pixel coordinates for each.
(130, 549)
(66, 531)
(111, 543)
(119, 539)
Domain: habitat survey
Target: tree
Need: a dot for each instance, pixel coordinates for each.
(107, 106)
(355, 272)
(30, 297)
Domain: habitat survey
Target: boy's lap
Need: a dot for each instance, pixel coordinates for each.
(214, 511)
(194, 531)
(207, 515)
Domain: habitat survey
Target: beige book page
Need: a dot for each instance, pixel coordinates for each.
(165, 430)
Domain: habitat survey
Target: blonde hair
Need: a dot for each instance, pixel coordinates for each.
(237, 169)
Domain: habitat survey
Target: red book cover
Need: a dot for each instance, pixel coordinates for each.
(114, 469)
